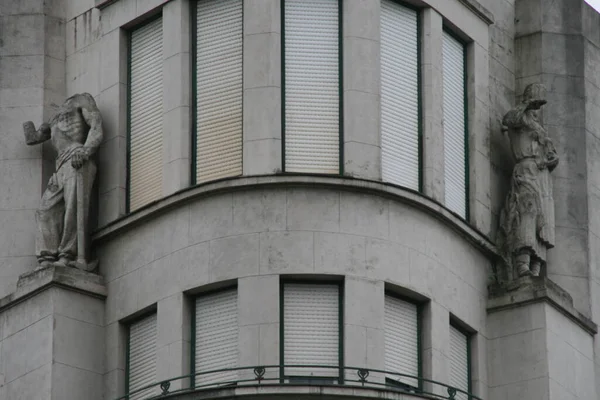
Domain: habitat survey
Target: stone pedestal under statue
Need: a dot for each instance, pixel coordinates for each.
(52, 336)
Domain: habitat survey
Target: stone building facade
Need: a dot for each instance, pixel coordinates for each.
(350, 195)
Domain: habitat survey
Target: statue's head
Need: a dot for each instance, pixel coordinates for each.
(535, 95)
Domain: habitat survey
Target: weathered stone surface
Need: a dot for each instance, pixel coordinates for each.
(527, 220)
(76, 132)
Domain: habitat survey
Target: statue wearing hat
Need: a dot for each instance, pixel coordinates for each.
(527, 219)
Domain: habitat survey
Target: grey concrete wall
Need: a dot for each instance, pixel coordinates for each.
(32, 70)
(52, 347)
(536, 352)
(257, 235)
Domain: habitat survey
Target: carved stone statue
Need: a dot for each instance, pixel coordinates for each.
(75, 132)
(527, 219)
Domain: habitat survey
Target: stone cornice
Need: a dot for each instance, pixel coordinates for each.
(528, 290)
(399, 194)
(32, 283)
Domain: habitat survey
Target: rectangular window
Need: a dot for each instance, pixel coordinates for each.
(216, 337)
(141, 357)
(145, 114)
(459, 362)
(401, 323)
(312, 80)
(455, 125)
(400, 107)
(218, 89)
(311, 330)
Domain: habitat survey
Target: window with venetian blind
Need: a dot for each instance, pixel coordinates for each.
(218, 93)
(455, 125)
(311, 80)
(401, 322)
(216, 337)
(145, 144)
(141, 358)
(400, 116)
(459, 362)
(311, 329)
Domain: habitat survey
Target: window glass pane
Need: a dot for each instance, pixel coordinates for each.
(312, 86)
(401, 340)
(142, 357)
(311, 328)
(454, 125)
(216, 337)
(146, 115)
(219, 91)
(459, 362)
(399, 95)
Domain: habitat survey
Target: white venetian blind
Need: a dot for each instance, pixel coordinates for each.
(311, 333)
(401, 339)
(219, 29)
(142, 357)
(216, 336)
(399, 95)
(459, 362)
(454, 124)
(312, 86)
(146, 114)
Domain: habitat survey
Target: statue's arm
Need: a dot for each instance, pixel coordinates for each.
(33, 136)
(513, 119)
(92, 117)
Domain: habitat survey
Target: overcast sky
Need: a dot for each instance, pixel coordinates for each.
(594, 3)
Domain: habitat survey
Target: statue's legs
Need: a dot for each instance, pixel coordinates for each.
(522, 262)
(67, 248)
(49, 218)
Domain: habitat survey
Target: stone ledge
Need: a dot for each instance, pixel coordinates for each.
(32, 283)
(397, 193)
(476, 8)
(282, 392)
(528, 290)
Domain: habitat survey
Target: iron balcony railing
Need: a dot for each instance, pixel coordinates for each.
(274, 375)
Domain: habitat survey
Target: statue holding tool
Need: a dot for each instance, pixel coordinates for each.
(527, 219)
(75, 132)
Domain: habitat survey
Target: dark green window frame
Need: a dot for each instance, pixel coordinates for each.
(420, 140)
(192, 305)
(341, 89)
(465, 45)
(420, 308)
(127, 325)
(469, 335)
(340, 284)
(194, 99)
(128, 158)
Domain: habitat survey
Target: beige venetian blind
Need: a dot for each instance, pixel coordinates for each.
(142, 357)
(216, 337)
(401, 340)
(146, 114)
(399, 95)
(454, 125)
(459, 362)
(311, 332)
(312, 86)
(219, 28)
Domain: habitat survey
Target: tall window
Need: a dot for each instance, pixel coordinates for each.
(459, 362)
(141, 357)
(400, 108)
(218, 89)
(311, 80)
(311, 330)
(401, 342)
(145, 149)
(455, 125)
(216, 337)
